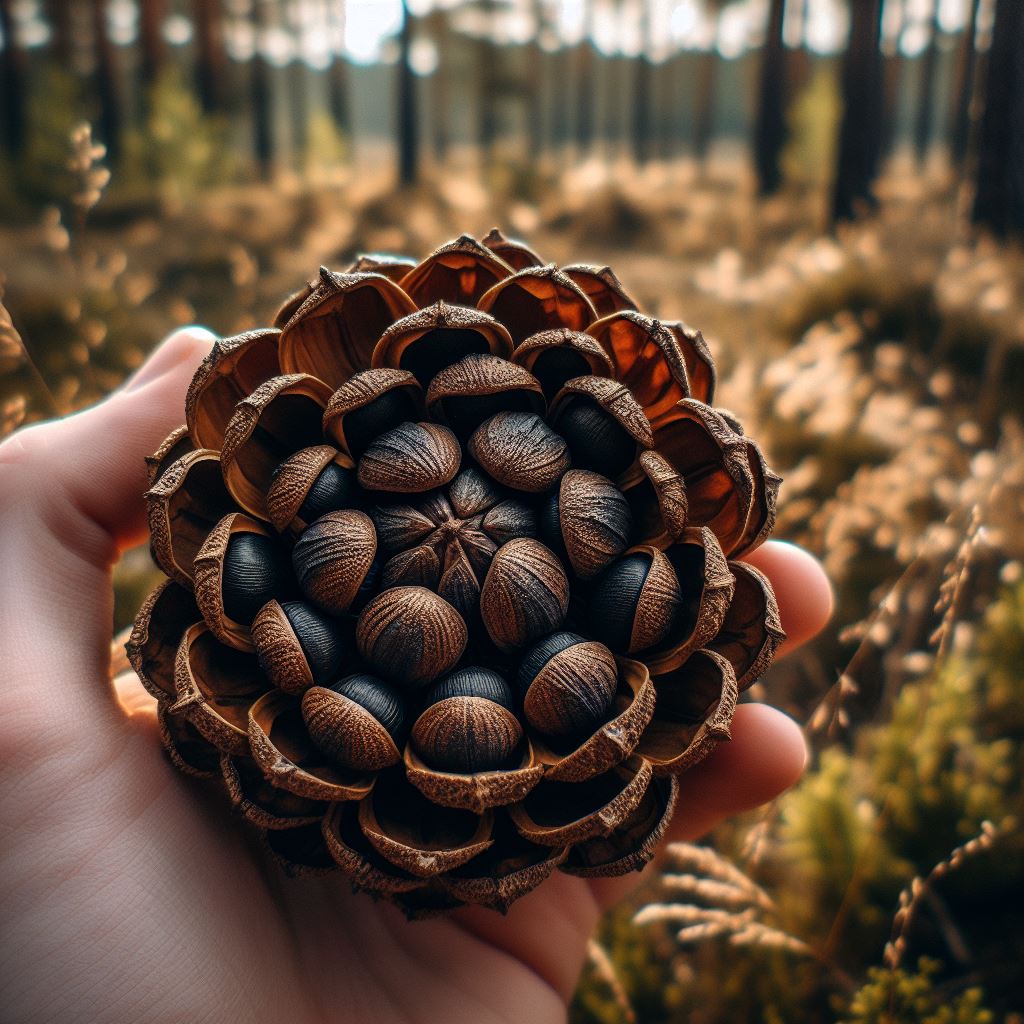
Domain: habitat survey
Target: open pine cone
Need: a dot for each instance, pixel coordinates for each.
(451, 598)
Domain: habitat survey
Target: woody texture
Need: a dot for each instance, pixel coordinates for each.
(453, 584)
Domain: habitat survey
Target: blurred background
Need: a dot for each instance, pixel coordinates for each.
(832, 190)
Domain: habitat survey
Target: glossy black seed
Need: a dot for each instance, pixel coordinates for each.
(596, 441)
(688, 562)
(472, 682)
(362, 425)
(380, 699)
(321, 638)
(256, 569)
(554, 366)
(540, 654)
(464, 413)
(614, 599)
(551, 525)
(435, 350)
(369, 585)
(333, 490)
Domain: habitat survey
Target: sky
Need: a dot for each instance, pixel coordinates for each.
(313, 29)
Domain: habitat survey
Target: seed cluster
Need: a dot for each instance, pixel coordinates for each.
(451, 593)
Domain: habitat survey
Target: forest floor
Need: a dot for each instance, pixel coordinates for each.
(881, 367)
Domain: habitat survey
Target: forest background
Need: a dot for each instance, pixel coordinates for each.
(832, 190)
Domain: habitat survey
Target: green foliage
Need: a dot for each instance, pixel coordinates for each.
(809, 155)
(179, 151)
(644, 968)
(326, 145)
(902, 997)
(42, 177)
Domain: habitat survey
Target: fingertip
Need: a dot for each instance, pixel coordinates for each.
(801, 588)
(766, 756)
(184, 349)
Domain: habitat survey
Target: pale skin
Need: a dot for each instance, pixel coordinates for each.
(128, 892)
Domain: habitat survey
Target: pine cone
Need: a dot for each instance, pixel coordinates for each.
(451, 598)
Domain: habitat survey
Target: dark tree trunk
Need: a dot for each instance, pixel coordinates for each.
(704, 104)
(894, 64)
(440, 86)
(337, 76)
(337, 94)
(211, 59)
(60, 17)
(999, 201)
(561, 124)
(641, 120)
(535, 99)
(964, 88)
(860, 130)
(261, 93)
(586, 83)
(770, 130)
(488, 81)
(111, 113)
(151, 39)
(13, 84)
(408, 128)
(926, 91)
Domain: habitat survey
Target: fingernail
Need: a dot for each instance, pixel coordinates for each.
(187, 345)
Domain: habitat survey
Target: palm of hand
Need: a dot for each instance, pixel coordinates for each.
(126, 895)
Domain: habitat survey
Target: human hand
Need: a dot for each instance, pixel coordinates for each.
(126, 895)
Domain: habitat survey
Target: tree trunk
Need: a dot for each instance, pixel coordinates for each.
(408, 128)
(964, 88)
(488, 85)
(337, 75)
(999, 201)
(111, 113)
(211, 60)
(770, 130)
(151, 39)
(926, 91)
(337, 94)
(860, 130)
(60, 18)
(583, 129)
(894, 65)
(704, 104)
(13, 84)
(260, 91)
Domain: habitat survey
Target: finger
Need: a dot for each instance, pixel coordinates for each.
(92, 465)
(766, 756)
(801, 588)
(71, 496)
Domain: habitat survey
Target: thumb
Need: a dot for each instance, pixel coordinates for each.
(71, 497)
(92, 464)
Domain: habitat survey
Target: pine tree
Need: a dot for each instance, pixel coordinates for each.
(408, 127)
(260, 88)
(860, 134)
(13, 83)
(108, 90)
(211, 60)
(999, 201)
(963, 87)
(151, 39)
(770, 130)
(926, 91)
